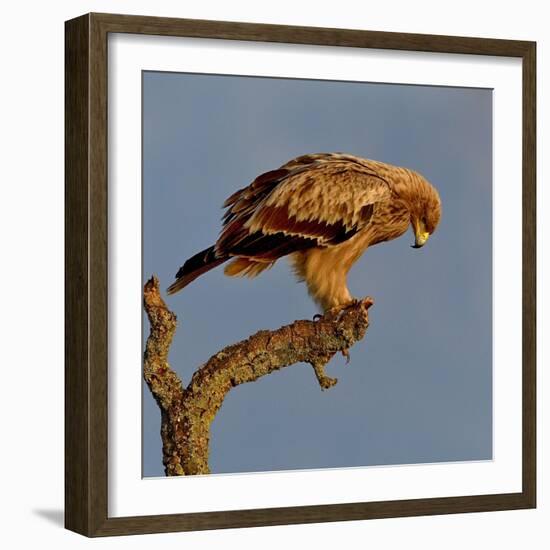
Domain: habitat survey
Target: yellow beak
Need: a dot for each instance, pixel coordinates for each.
(420, 239)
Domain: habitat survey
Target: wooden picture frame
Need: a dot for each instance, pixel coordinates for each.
(86, 230)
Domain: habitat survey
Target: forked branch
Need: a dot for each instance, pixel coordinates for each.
(187, 413)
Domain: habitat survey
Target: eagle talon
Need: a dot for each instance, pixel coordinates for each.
(336, 312)
(346, 354)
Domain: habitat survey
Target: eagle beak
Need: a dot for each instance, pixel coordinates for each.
(420, 239)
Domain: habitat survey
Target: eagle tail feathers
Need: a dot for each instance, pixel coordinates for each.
(194, 267)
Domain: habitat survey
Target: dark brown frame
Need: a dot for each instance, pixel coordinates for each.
(86, 274)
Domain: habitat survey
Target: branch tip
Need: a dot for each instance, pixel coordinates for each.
(152, 284)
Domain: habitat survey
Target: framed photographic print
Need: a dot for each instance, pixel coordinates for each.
(300, 274)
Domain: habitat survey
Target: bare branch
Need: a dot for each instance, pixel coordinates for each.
(188, 413)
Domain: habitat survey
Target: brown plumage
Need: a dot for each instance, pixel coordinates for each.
(323, 211)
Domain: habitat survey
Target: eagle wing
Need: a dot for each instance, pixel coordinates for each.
(314, 200)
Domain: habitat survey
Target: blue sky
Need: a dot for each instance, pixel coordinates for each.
(419, 386)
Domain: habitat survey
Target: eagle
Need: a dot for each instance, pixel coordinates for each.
(323, 211)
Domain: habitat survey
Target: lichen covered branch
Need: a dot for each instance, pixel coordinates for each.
(188, 413)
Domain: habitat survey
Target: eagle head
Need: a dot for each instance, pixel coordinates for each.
(425, 212)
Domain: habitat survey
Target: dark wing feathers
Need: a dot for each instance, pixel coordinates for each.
(313, 200)
(266, 248)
